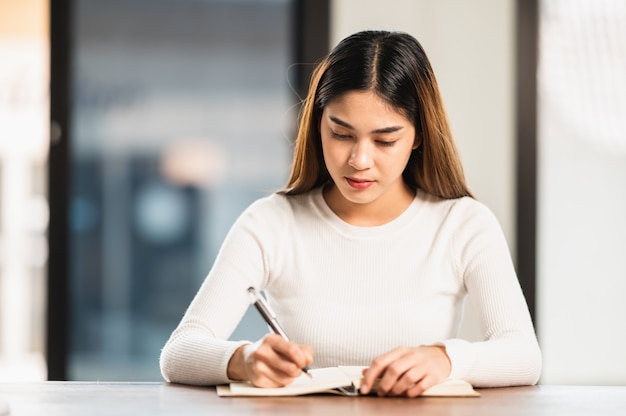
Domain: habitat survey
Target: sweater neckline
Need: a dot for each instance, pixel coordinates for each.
(401, 221)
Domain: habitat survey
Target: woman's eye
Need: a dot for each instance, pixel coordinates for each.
(340, 136)
(385, 143)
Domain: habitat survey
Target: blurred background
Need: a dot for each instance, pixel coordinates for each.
(134, 132)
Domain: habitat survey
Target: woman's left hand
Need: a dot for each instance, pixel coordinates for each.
(407, 371)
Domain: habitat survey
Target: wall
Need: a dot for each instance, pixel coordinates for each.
(582, 193)
(471, 47)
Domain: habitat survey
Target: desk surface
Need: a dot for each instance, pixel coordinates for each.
(137, 399)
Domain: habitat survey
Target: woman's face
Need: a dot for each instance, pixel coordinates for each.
(366, 145)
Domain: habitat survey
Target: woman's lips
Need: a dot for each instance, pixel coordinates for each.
(359, 183)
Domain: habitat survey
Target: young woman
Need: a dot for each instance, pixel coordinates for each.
(368, 253)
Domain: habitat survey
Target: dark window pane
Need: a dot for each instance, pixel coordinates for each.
(181, 118)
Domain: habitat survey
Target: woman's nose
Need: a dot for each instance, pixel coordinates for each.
(361, 157)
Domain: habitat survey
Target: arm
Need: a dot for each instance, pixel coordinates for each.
(198, 351)
(509, 353)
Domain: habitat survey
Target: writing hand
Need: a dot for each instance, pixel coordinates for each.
(270, 362)
(407, 371)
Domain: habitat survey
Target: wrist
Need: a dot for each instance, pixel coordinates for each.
(236, 369)
(444, 359)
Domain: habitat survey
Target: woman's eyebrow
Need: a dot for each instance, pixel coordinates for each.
(390, 129)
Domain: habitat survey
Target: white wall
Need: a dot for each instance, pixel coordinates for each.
(471, 47)
(581, 267)
(582, 192)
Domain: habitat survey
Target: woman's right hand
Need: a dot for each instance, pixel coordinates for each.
(269, 362)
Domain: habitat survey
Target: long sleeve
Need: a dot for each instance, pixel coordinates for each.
(509, 354)
(198, 351)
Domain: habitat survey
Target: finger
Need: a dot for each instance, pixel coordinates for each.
(308, 352)
(378, 368)
(268, 364)
(387, 369)
(419, 388)
(263, 361)
(294, 357)
(293, 353)
(400, 375)
(277, 362)
(389, 379)
(264, 376)
(412, 377)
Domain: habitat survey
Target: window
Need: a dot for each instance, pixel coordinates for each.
(182, 114)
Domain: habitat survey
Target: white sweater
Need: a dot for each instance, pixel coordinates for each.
(354, 293)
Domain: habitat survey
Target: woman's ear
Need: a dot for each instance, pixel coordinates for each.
(418, 141)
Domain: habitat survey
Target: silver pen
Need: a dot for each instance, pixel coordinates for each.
(269, 317)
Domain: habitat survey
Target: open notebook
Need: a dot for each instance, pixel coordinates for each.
(342, 380)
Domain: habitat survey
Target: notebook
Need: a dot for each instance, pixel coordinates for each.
(342, 380)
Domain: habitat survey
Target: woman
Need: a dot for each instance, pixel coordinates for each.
(366, 256)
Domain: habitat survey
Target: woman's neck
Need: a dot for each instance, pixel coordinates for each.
(384, 209)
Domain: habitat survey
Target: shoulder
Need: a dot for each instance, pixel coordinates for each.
(276, 209)
(268, 224)
(458, 209)
(475, 228)
(270, 203)
(474, 234)
(283, 204)
(269, 208)
(471, 209)
(463, 219)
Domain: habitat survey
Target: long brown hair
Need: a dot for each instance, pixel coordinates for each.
(394, 66)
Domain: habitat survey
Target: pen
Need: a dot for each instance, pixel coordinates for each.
(270, 318)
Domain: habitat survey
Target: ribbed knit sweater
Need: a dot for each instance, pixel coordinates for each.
(354, 293)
